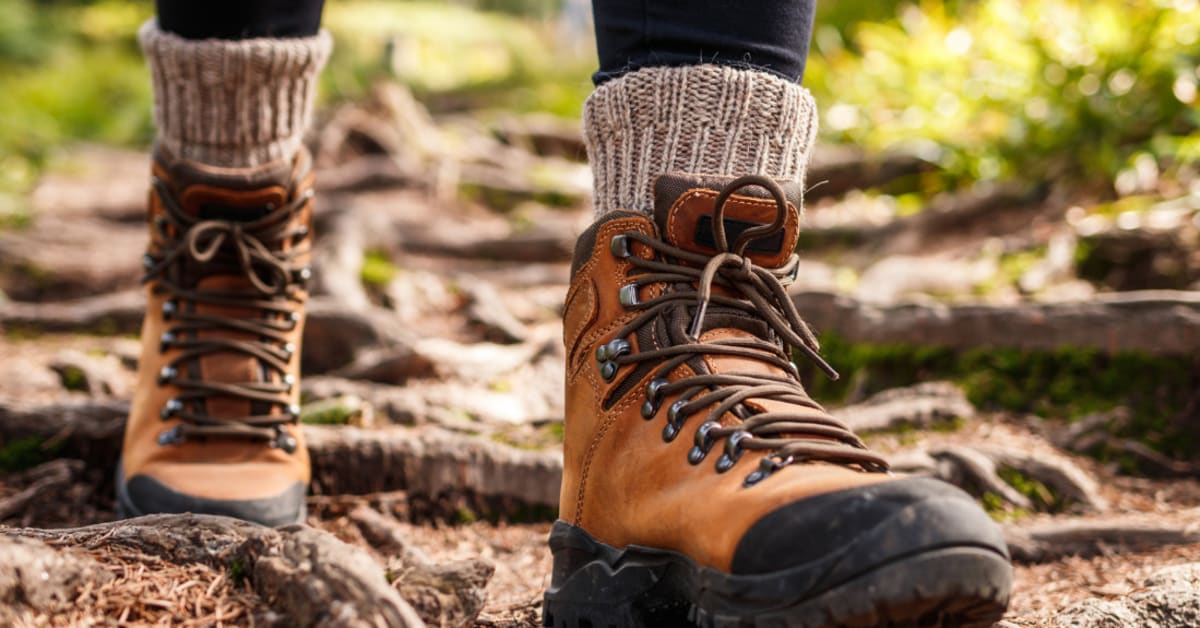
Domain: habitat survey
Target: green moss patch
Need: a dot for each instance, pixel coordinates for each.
(1162, 394)
(25, 453)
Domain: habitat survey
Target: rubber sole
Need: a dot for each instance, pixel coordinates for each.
(125, 508)
(598, 586)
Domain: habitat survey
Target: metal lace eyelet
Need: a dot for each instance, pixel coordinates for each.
(289, 349)
(608, 371)
(294, 410)
(733, 451)
(628, 295)
(618, 348)
(166, 374)
(148, 261)
(165, 341)
(304, 274)
(673, 411)
(170, 408)
(285, 441)
(755, 477)
(171, 436)
(653, 397)
(295, 317)
(654, 389)
(289, 379)
(619, 246)
(168, 309)
(670, 431)
(301, 232)
(704, 442)
(767, 466)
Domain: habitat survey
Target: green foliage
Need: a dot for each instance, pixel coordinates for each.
(1000, 88)
(1066, 383)
(67, 73)
(454, 57)
(24, 453)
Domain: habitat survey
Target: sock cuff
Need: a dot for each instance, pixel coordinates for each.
(233, 103)
(701, 119)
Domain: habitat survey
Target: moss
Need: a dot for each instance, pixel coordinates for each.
(1000, 510)
(465, 515)
(335, 411)
(377, 269)
(73, 378)
(237, 572)
(1067, 383)
(25, 453)
(1043, 499)
(993, 504)
(543, 437)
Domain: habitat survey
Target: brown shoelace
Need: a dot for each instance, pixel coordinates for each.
(193, 248)
(804, 432)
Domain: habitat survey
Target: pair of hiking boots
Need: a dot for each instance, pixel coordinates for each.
(701, 485)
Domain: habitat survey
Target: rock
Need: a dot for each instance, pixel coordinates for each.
(1168, 599)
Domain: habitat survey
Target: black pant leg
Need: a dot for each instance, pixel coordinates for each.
(240, 19)
(769, 35)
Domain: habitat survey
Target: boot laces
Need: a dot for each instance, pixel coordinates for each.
(193, 248)
(804, 431)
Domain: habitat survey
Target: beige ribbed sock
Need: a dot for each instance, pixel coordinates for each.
(232, 103)
(702, 119)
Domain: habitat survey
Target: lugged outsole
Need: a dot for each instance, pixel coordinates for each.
(965, 586)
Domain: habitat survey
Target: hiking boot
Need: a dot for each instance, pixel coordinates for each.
(213, 424)
(701, 483)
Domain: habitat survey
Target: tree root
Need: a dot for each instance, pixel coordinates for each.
(346, 460)
(916, 406)
(1154, 322)
(977, 470)
(1051, 540)
(308, 577)
(448, 594)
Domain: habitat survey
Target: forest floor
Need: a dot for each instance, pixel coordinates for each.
(433, 389)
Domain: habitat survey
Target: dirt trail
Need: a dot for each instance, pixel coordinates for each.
(433, 392)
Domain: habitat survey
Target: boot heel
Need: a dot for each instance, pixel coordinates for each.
(597, 586)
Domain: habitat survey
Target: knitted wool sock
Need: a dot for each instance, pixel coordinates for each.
(232, 103)
(701, 119)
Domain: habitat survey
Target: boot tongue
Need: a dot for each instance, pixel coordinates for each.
(683, 209)
(233, 194)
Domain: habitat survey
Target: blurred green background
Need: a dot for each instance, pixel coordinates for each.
(1069, 90)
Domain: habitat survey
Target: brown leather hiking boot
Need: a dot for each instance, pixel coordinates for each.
(701, 483)
(212, 428)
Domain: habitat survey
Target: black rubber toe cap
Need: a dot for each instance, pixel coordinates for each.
(143, 495)
(855, 530)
